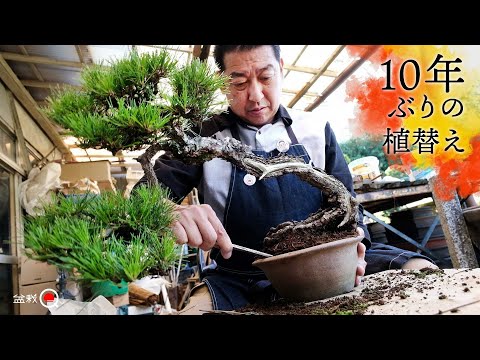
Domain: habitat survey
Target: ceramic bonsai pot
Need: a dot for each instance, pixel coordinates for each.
(314, 273)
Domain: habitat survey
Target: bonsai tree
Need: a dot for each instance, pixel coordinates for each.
(147, 101)
(106, 237)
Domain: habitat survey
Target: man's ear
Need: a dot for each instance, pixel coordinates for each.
(281, 66)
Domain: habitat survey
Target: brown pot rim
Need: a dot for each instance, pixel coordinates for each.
(300, 252)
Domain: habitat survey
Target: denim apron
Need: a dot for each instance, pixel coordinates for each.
(250, 212)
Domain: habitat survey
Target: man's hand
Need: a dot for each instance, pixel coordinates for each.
(361, 265)
(199, 226)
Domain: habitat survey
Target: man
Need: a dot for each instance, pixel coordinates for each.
(236, 208)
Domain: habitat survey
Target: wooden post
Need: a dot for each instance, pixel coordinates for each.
(201, 52)
(455, 229)
(19, 133)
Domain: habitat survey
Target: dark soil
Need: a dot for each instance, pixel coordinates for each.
(301, 239)
(376, 291)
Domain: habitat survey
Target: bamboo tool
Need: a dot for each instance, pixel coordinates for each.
(252, 251)
(256, 252)
(175, 274)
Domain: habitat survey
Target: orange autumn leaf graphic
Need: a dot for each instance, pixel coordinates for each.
(425, 107)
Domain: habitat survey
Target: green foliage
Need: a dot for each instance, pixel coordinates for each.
(133, 103)
(134, 77)
(105, 237)
(194, 90)
(359, 147)
(66, 101)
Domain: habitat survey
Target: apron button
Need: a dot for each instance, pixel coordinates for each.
(249, 179)
(282, 146)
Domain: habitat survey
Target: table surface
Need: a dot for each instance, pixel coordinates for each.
(414, 292)
(391, 292)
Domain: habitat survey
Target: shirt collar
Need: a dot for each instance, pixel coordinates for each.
(282, 114)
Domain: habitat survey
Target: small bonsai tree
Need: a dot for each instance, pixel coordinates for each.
(106, 237)
(147, 101)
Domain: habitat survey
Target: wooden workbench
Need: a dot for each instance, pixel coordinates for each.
(392, 292)
(413, 292)
(376, 196)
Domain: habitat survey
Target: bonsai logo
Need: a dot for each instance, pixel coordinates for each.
(48, 298)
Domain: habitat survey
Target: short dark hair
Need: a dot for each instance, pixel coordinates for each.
(220, 51)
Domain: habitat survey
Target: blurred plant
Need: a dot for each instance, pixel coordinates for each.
(359, 147)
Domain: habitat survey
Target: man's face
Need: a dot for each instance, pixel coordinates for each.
(256, 85)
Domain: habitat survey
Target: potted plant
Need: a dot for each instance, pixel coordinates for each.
(105, 241)
(147, 101)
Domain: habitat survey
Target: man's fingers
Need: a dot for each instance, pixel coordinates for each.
(360, 231)
(190, 226)
(199, 226)
(207, 233)
(361, 267)
(360, 272)
(361, 264)
(180, 233)
(361, 248)
(224, 243)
